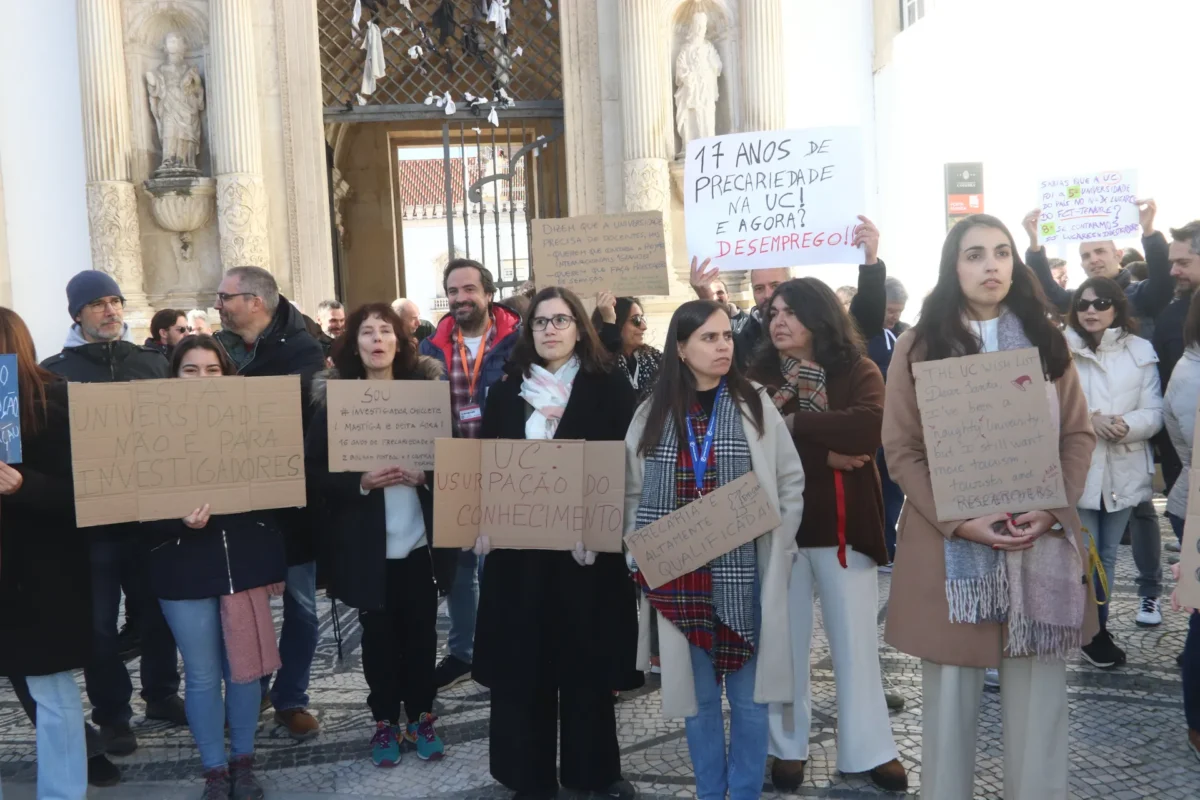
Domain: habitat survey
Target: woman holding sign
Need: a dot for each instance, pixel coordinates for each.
(831, 394)
(1119, 375)
(1018, 580)
(726, 621)
(621, 324)
(380, 560)
(213, 577)
(557, 629)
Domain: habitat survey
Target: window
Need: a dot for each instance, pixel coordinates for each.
(911, 12)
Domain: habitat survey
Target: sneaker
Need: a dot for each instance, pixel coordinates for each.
(786, 776)
(655, 665)
(118, 739)
(169, 710)
(895, 702)
(451, 671)
(991, 677)
(422, 737)
(385, 745)
(620, 790)
(1102, 652)
(891, 777)
(885, 569)
(217, 785)
(1149, 615)
(300, 724)
(102, 772)
(1194, 742)
(245, 785)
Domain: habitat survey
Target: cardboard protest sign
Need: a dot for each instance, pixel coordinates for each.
(1188, 589)
(159, 449)
(529, 494)
(377, 424)
(775, 198)
(712, 526)
(625, 254)
(989, 434)
(10, 411)
(1089, 206)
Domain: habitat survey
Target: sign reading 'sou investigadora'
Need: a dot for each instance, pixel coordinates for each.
(775, 198)
(159, 449)
(377, 424)
(990, 437)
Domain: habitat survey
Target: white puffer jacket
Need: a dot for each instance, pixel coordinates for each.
(1182, 392)
(1120, 377)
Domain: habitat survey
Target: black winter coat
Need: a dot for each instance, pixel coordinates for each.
(287, 348)
(542, 617)
(353, 541)
(233, 553)
(108, 362)
(45, 563)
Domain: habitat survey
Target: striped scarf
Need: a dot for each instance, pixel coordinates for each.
(714, 605)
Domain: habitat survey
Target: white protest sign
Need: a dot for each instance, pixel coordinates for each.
(1089, 206)
(775, 198)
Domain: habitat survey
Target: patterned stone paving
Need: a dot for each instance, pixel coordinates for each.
(1127, 728)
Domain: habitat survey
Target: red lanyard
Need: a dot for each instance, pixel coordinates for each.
(473, 374)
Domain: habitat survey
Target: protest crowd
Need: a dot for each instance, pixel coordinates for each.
(812, 400)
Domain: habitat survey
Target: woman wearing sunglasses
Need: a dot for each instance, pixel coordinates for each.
(1119, 375)
(621, 324)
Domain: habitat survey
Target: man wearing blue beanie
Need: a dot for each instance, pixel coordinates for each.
(97, 350)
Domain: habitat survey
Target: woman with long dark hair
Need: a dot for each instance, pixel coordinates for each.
(1119, 375)
(831, 396)
(213, 577)
(621, 324)
(380, 525)
(45, 572)
(985, 301)
(726, 622)
(557, 630)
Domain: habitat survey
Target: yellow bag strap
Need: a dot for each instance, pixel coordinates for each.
(1094, 566)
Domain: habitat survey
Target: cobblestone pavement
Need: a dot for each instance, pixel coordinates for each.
(1128, 736)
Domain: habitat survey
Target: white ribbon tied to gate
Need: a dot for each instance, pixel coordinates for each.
(375, 66)
(498, 16)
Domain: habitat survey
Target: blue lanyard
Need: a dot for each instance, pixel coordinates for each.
(700, 455)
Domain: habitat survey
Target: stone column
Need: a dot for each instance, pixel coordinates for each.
(761, 26)
(584, 130)
(645, 109)
(236, 136)
(111, 201)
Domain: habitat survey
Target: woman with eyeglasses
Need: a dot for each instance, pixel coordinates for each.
(557, 630)
(622, 328)
(1119, 374)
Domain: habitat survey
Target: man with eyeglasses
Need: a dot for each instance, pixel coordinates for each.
(167, 329)
(472, 343)
(265, 334)
(98, 350)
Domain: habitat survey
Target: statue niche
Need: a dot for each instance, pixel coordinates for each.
(697, 68)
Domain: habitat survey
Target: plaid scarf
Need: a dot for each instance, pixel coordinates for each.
(460, 385)
(714, 605)
(803, 380)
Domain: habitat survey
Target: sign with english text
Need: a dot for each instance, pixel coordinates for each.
(773, 199)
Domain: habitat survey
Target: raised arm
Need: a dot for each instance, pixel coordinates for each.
(1153, 295)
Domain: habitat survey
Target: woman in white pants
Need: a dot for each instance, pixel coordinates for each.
(831, 394)
(1027, 568)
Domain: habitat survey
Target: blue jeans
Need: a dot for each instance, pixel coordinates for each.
(741, 775)
(108, 685)
(893, 503)
(61, 750)
(462, 605)
(297, 640)
(1191, 654)
(197, 628)
(1106, 529)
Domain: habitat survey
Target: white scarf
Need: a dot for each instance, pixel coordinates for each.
(547, 392)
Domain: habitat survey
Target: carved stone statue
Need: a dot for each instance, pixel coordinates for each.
(176, 100)
(697, 68)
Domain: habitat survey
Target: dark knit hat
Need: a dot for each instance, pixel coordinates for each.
(88, 286)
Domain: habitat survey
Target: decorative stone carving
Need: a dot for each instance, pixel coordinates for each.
(112, 219)
(697, 68)
(342, 191)
(647, 185)
(242, 220)
(176, 99)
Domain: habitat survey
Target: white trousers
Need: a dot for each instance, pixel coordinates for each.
(1033, 711)
(849, 608)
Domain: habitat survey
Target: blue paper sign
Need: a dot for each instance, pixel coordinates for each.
(10, 411)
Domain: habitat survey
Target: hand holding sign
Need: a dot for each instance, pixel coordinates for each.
(1146, 210)
(702, 278)
(866, 236)
(10, 479)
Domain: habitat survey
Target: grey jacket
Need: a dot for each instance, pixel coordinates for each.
(1179, 411)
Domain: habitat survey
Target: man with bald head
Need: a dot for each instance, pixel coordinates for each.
(410, 314)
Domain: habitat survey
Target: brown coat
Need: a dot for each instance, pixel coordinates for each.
(918, 620)
(851, 426)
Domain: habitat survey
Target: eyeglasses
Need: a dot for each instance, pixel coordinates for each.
(638, 320)
(559, 321)
(103, 303)
(1100, 304)
(225, 298)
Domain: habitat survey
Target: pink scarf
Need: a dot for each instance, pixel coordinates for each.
(249, 633)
